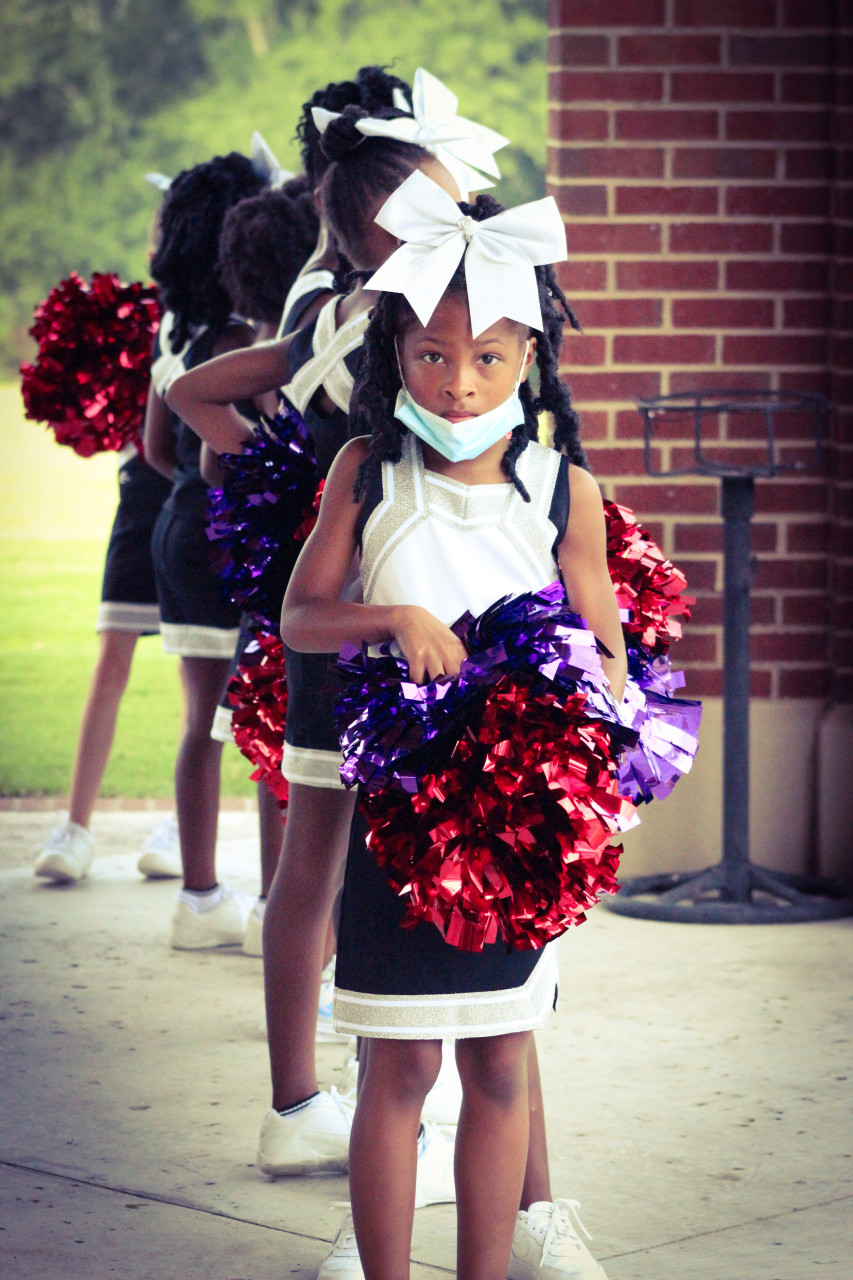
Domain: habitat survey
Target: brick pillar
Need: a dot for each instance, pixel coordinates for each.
(691, 154)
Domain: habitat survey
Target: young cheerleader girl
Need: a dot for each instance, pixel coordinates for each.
(197, 622)
(265, 241)
(306, 1128)
(456, 506)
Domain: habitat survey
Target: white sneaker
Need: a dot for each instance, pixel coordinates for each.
(435, 1183)
(442, 1103)
(546, 1245)
(312, 1140)
(326, 1033)
(161, 854)
(221, 926)
(253, 938)
(343, 1262)
(67, 855)
(349, 1078)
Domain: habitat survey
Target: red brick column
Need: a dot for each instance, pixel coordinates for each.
(693, 146)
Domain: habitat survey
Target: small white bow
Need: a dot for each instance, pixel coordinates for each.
(159, 180)
(265, 164)
(501, 253)
(461, 145)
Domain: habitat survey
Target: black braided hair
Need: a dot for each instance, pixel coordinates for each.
(265, 241)
(361, 169)
(372, 89)
(377, 383)
(184, 265)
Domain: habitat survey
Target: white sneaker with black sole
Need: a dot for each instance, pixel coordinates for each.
(160, 858)
(546, 1245)
(67, 854)
(314, 1139)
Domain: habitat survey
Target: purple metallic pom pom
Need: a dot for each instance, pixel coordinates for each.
(254, 518)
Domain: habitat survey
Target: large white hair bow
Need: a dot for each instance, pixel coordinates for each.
(501, 253)
(462, 146)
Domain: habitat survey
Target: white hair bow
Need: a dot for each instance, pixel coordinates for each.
(265, 164)
(501, 253)
(462, 146)
(261, 158)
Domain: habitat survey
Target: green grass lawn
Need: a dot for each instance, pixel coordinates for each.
(55, 516)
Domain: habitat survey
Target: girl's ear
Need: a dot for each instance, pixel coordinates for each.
(529, 358)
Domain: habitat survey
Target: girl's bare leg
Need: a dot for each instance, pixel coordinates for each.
(384, 1152)
(537, 1175)
(98, 725)
(197, 771)
(491, 1151)
(271, 822)
(296, 922)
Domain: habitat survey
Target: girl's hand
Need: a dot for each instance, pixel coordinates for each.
(430, 648)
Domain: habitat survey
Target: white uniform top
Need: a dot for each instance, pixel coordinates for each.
(447, 546)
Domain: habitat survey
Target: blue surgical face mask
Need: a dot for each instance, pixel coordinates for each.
(460, 441)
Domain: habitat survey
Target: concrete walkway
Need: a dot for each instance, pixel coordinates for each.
(697, 1083)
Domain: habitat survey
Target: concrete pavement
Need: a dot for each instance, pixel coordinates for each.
(697, 1083)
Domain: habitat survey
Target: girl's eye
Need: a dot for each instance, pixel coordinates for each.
(431, 357)
(489, 358)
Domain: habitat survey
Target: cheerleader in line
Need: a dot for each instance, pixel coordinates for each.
(198, 624)
(307, 1129)
(452, 504)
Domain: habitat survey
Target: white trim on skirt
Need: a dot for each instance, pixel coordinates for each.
(312, 768)
(456, 1016)
(116, 615)
(221, 730)
(190, 641)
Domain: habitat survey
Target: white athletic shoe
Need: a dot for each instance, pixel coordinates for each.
(442, 1103)
(349, 1078)
(343, 1262)
(312, 1140)
(221, 926)
(253, 938)
(67, 855)
(161, 854)
(435, 1183)
(546, 1245)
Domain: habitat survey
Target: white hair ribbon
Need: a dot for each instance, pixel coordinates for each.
(265, 164)
(462, 146)
(159, 180)
(501, 253)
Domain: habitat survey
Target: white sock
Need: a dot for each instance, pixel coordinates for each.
(202, 901)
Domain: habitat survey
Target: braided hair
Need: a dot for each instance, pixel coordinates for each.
(374, 395)
(361, 170)
(372, 89)
(184, 265)
(265, 241)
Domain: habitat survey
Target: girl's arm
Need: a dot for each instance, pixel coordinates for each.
(158, 437)
(583, 561)
(205, 396)
(314, 619)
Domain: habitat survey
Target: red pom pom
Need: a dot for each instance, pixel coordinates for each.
(90, 381)
(512, 838)
(646, 583)
(258, 694)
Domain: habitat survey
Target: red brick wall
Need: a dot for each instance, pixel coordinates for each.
(701, 157)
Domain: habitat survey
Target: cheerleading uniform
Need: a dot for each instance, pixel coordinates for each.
(432, 541)
(305, 289)
(129, 592)
(321, 355)
(197, 619)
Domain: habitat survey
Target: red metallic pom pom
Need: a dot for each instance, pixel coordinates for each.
(90, 381)
(258, 694)
(512, 839)
(646, 583)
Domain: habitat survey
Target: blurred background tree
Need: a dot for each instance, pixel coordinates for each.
(95, 93)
